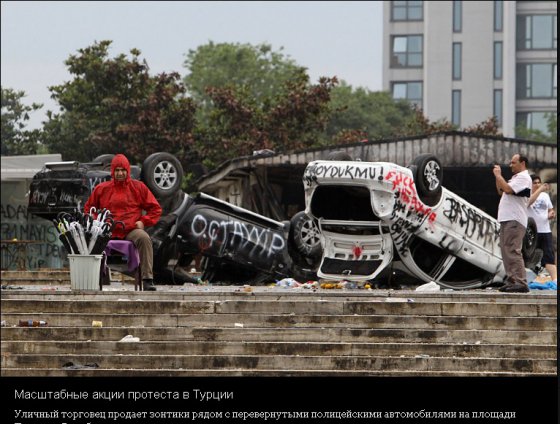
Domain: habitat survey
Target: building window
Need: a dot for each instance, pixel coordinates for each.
(533, 121)
(498, 16)
(498, 106)
(498, 60)
(457, 16)
(536, 80)
(456, 107)
(409, 90)
(457, 60)
(407, 10)
(536, 32)
(406, 51)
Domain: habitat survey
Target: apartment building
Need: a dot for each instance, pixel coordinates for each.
(465, 61)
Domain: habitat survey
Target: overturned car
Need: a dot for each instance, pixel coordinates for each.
(235, 245)
(377, 217)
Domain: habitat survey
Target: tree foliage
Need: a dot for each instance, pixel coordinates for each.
(113, 105)
(521, 131)
(261, 72)
(253, 98)
(239, 125)
(359, 114)
(420, 124)
(16, 139)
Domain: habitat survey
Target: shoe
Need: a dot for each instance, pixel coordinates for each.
(514, 288)
(148, 285)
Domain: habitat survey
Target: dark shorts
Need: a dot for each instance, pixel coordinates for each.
(544, 242)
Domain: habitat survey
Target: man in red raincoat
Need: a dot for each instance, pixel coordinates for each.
(127, 199)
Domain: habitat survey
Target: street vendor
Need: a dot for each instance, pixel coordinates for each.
(131, 202)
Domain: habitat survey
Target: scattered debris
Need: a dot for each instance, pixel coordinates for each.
(287, 282)
(32, 323)
(432, 286)
(548, 285)
(129, 339)
(72, 366)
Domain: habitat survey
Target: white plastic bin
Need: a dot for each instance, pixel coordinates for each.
(84, 271)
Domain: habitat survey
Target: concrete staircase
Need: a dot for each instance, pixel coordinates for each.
(227, 331)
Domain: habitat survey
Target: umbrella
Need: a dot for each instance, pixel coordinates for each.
(63, 226)
(62, 236)
(87, 221)
(96, 231)
(104, 237)
(77, 232)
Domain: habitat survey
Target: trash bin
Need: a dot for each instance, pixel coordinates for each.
(85, 271)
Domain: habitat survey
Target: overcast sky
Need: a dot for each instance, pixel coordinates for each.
(334, 38)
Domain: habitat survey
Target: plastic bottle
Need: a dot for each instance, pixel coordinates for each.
(32, 323)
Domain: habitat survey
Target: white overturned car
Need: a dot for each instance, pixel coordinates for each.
(373, 215)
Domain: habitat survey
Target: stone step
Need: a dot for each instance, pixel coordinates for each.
(56, 319)
(259, 293)
(303, 307)
(284, 334)
(195, 330)
(325, 348)
(167, 372)
(42, 274)
(281, 362)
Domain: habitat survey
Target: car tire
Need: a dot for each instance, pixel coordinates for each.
(529, 247)
(162, 173)
(304, 235)
(428, 177)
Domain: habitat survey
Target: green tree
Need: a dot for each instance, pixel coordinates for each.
(16, 139)
(362, 114)
(521, 131)
(238, 124)
(253, 98)
(261, 72)
(420, 124)
(113, 105)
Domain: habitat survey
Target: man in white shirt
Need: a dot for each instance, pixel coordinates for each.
(542, 210)
(512, 216)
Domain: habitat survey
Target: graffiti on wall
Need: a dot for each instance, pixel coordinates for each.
(18, 224)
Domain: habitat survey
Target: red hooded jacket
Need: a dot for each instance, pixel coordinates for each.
(125, 199)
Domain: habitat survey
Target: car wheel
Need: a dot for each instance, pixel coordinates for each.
(304, 234)
(428, 177)
(530, 241)
(105, 160)
(162, 173)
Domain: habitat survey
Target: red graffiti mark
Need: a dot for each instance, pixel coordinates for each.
(404, 185)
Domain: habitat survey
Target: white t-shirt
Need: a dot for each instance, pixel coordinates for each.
(539, 211)
(513, 207)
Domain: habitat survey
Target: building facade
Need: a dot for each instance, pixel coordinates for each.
(467, 61)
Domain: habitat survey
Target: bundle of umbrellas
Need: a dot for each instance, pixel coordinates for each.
(85, 233)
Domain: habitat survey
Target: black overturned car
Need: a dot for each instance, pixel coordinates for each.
(234, 245)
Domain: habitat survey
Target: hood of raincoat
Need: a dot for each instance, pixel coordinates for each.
(120, 161)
